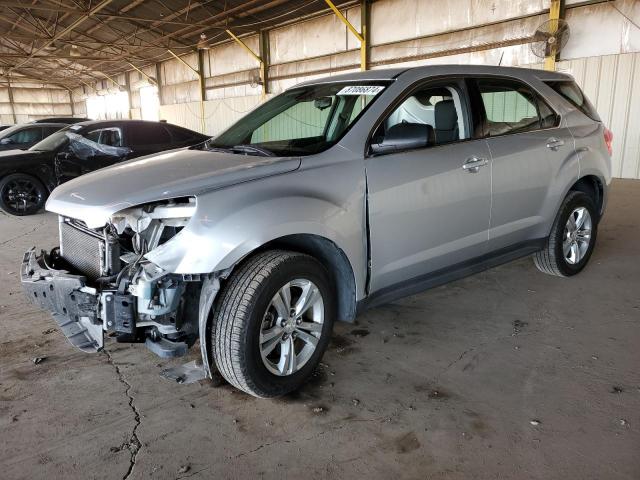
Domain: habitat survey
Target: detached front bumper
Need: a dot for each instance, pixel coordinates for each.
(73, 305)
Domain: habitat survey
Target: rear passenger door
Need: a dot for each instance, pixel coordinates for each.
(528, 148)
(147, 138)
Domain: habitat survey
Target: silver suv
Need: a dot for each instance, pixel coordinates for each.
(338, 195)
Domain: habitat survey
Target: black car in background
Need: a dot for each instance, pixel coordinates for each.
(26, 135)
(27, 177)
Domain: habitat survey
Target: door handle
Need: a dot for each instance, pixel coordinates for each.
(473, 164)
(554, 144)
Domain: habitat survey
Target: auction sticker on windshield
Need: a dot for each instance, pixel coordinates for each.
(361, 90)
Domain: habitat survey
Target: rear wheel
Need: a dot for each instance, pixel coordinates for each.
(272, 322)
(22, 194)
(572, 237)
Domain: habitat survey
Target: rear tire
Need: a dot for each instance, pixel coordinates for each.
(572, 237)
(22, 194)
(254, 331)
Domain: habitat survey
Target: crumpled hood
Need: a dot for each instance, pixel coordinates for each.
(94, 197)
(21, 154)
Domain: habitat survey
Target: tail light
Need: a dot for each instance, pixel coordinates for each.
(608, 139)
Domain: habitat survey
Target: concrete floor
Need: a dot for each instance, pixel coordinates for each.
(507, 374)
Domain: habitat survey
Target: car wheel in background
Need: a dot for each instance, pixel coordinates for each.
(572, 237)
(22, 194)
(272, 322)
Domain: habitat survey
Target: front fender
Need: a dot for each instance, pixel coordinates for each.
(231, 223)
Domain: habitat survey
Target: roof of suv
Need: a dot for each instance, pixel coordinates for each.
(393, 73)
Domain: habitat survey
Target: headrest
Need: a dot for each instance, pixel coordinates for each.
(409, 134)
(445, 115)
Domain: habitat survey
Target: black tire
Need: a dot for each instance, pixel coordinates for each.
(239, 313)
(33, 191)
(551, 259)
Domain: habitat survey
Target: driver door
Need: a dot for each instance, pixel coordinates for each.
(429, 205)
(86, 154)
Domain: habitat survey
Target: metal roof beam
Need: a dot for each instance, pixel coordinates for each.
(66, 30)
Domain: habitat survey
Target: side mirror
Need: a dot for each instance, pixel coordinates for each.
(404, 136)
(6, 141)
(322, 102)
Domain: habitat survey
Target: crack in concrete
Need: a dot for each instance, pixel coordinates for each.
(4, 242)
(133, 445)
(265, 445)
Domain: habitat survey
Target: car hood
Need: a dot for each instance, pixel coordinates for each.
(6, 155)
(94, 197)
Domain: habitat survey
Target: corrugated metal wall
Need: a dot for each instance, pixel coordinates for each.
(31, 102)
(612, 83)
(600, 53)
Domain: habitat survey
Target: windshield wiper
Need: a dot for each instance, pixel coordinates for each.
(242, 149)
(252, 150)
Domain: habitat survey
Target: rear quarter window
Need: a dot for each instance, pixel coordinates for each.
(570, 91)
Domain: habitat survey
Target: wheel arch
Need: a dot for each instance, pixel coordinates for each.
(592, 186)
(330, 255)
(43, 175)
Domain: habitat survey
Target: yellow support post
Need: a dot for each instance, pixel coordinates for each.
(152, 81)
(111, 80)
(554, 16)
(263, 65)
(361, 36)
(201, 81)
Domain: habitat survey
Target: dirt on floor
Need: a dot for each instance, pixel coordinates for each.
(507, 374)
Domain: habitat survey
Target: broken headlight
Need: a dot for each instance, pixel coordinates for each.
(154, 223)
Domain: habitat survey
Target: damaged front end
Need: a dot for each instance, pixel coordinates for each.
(99, 282)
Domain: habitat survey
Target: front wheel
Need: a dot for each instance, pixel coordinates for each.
(22, 194)
(272, 322)
(572, 237)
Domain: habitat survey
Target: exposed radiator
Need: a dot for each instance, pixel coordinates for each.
(88, 252)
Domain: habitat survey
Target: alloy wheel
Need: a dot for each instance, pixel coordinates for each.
(291, 327)
(577, 235)
(21, 195)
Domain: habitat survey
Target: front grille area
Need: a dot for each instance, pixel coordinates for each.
(87, 251)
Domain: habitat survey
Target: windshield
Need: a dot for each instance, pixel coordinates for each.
(7, 132)
(53, 142)
(300, 121)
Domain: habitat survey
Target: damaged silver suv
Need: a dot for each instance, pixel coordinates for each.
(337, 195)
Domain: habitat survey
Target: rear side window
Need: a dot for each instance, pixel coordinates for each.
(513, 107)
(571, 92)
(148, 134)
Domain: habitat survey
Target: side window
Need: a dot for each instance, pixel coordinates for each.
(111, 136)
(570, 91)
(429, 116)
(27, 135)
(512, 107)
(148, 134)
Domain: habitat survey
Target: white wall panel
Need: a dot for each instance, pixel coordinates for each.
(219, 113)
(612, 83)
(319, 36)
(394, 20)
(231, 57)
(602, 29)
